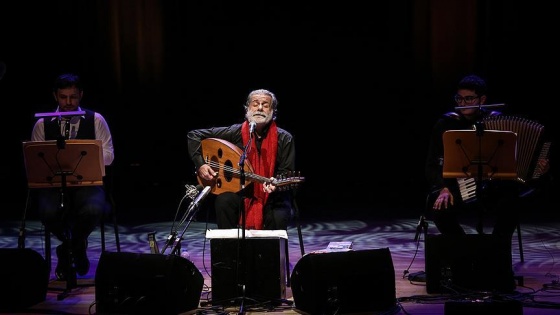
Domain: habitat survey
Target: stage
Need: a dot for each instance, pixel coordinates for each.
(378, 248)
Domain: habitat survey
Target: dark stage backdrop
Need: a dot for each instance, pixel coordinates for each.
(360, 86)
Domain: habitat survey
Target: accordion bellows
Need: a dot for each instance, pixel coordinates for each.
(531, 145)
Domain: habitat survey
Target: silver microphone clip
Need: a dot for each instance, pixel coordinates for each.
(192, 191)
(252, 126)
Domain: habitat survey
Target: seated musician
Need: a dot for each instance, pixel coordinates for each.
(270, 153)
(499, 201)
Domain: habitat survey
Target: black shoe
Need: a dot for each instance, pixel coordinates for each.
(62, 265)
(81, 261)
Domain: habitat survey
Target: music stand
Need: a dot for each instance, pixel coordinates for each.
(480, 155)
(466, 154)
(80, 163)
(50, 165)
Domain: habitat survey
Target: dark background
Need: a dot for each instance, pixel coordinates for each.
(359, 86)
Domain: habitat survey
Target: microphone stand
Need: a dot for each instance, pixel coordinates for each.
(422, 226)
(170, 240)
(190, 193)
(480, 127)
(71, 279)
(189, 216)
(243, 222)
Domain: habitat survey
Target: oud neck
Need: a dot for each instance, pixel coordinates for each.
(256, 178)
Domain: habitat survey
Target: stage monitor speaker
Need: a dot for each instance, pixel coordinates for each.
(25, 278)
(345, 282)
(480, 262)
(131, 283)
(265, 268)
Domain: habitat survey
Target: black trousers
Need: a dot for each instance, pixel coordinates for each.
(498, 207)
(277, 212)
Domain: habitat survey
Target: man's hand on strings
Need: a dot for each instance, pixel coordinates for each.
(269, 186)
(444, 199)
(206, 172)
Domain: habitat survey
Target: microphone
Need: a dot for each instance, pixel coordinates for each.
(252, 126)
(67, 129)
(200, 196)
(192, 191)
(194, 204)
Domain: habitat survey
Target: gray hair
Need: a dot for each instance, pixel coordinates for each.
(265, 92)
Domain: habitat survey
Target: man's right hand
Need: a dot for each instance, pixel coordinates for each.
(444, 199)
(206, 172)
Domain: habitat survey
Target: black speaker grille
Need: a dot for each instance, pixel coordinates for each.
(130, 283)
(25, 278)
(480, 262)
(345, 282)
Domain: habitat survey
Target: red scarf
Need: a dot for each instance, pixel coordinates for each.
(263, 165)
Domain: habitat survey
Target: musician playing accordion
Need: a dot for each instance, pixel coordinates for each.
(497, 201)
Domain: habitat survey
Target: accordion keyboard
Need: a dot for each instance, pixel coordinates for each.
(545, 150)
(467, 188)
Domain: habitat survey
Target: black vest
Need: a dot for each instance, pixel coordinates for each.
(86, 130)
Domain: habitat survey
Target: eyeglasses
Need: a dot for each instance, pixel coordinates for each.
(467, 99)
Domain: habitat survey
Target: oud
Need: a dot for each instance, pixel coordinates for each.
(222, 156)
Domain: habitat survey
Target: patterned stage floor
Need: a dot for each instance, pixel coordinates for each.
(539, 292)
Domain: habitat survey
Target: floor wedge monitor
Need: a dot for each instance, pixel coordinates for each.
(131, 283)
(360, 281)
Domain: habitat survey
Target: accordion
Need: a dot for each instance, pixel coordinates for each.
(531, 147)
(530, 143)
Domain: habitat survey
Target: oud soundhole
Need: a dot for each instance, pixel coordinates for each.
(228, 171)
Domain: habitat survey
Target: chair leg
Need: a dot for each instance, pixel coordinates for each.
(520, 242)
(298, 225)
(48, 257)
(102, 232)
(115, 225)
(287, 253)
(116, 229)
